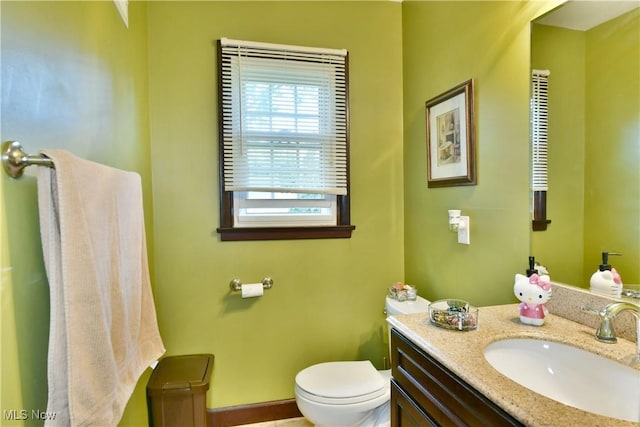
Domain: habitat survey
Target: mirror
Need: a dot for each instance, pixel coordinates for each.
(593, 200)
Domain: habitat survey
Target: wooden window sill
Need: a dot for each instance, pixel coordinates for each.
(286, 233)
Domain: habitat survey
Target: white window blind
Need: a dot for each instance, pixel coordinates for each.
(539, 129)
(284, 118)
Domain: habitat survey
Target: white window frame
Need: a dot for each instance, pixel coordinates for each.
(244, 219)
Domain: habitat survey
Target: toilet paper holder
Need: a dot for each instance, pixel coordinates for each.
(236, 285)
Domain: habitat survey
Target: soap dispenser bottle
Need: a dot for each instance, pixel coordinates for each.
(533, 290)
(532, 267)
(606, 280)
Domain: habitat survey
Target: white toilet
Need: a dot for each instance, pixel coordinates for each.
(350, 393)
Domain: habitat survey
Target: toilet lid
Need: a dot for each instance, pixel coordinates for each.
(393, 307)
(340, 380)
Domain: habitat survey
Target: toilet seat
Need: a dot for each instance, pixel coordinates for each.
(341, 383)
(302, 394)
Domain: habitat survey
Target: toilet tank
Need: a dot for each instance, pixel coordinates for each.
(393, 307)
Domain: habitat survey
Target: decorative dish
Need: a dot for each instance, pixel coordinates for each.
(454, 314)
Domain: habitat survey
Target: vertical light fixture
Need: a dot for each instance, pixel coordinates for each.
(539, 114)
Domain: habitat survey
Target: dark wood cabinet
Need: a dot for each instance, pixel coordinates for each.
(424, 392)
(405, 412)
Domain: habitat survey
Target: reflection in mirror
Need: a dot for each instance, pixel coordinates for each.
(594, 141)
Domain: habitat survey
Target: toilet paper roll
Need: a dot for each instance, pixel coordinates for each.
(251, 290)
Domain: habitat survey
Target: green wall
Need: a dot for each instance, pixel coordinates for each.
(326, 303)
(559, 248)
(328, 295)
(594, 179)
(74, 78)
(612, 155)
(444, 44)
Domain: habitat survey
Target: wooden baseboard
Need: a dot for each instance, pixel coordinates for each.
(253, 413)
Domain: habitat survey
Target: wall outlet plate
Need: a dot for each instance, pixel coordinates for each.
(464, 230)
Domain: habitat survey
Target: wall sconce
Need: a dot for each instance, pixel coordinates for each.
(461, 225)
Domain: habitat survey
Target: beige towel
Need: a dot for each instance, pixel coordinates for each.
(103, 332)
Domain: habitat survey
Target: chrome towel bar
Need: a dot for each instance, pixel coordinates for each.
(14, 159)
(236, 285)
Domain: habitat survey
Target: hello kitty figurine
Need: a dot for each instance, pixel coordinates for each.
(533, 291)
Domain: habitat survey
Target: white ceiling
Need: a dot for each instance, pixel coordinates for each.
(585, 14)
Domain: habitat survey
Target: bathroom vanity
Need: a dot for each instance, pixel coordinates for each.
(441, 377)
(425, 392)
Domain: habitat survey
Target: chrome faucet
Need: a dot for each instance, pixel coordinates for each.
(605, 331)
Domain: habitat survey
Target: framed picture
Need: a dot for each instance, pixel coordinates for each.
(451, 152)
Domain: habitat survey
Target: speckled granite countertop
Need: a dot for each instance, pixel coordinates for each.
(462, 352)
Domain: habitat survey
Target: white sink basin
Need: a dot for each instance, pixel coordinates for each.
(569, 375)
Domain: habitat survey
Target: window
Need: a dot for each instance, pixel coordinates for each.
(259, 209)
(539, 126)
(284, 153)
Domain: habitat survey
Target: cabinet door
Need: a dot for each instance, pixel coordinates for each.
(404, 412)
(439, 393)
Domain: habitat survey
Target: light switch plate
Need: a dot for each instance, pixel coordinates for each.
(464, 230)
